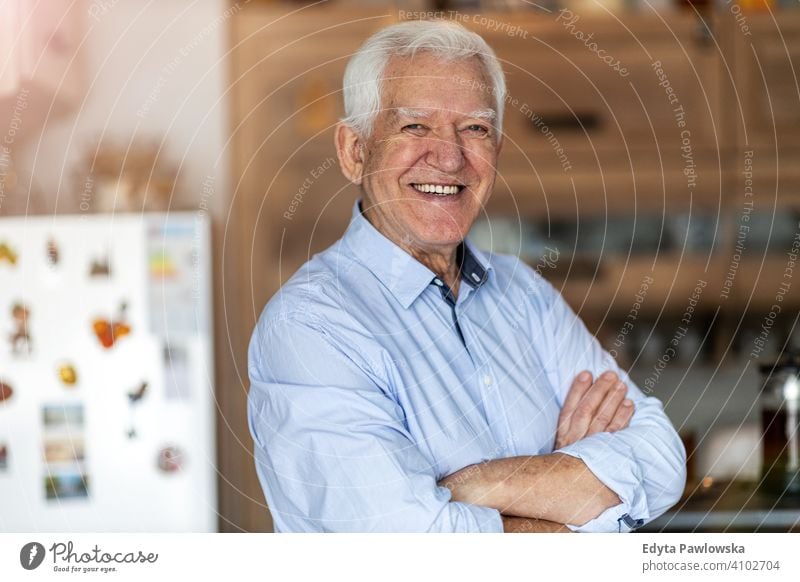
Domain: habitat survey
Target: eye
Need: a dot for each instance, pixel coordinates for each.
(477, 129)
(415, 128)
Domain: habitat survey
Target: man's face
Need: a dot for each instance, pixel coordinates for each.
(429, 165)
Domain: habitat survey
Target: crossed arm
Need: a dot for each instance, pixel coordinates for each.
(541, 493)
(333, 452)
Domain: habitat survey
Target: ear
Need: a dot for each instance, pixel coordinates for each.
(350, 150)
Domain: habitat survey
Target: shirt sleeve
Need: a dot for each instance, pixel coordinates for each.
(645, 463)
(331, 448)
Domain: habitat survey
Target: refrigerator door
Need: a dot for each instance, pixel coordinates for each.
(106, 353)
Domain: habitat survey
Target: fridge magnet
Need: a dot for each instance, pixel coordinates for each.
(100, 267)
(64, 450)
(177, 376)
(68, 375)
(170, 459)
(67, 484)
(5, 392)
(161, 265)
(52, 252)
(3, 457)
(66, 417)
(108, 332)
(134, 397)
(7, 254)
(20, 338)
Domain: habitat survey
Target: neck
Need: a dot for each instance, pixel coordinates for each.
(443, 261)
(445, 265)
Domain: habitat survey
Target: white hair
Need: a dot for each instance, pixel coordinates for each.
(446, 40)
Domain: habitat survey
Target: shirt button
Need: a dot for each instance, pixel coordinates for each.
(438, 282)
(487, 380)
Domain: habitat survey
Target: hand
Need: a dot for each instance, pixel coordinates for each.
(593, 407)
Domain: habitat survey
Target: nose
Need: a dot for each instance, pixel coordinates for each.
(446, 152)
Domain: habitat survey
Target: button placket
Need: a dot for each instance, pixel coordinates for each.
(493, 400)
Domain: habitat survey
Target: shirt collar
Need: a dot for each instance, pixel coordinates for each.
(401, 273)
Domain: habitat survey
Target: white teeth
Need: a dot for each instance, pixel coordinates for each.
(436, 189)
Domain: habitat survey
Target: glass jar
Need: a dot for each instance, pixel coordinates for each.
(780, 425)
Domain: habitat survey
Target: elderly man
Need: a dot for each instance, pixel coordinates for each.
(403, 380)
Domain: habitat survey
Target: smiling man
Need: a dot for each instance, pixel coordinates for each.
(403, 380)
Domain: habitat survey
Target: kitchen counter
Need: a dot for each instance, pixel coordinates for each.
(731, 507)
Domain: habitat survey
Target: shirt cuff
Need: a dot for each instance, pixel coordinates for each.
(467, 517)
(612, 461)
(489, 520)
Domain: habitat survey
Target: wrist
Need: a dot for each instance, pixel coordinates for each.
(469, 485)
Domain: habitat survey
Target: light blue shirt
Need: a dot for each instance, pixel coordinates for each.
(368, 386)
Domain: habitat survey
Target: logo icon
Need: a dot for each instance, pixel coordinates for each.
(31, 555)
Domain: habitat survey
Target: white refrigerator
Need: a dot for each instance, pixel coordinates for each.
(106, 374)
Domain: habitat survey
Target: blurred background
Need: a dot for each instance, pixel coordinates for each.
(164, 167)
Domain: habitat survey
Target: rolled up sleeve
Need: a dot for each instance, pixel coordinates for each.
(331, 447)
(645, 463)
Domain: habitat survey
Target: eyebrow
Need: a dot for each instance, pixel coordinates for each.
(412, 113)
(487, 113)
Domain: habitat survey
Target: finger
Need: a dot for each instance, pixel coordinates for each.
(573, 426)
(622, 417)
(579, 387)
(608, 408)
(587, 407)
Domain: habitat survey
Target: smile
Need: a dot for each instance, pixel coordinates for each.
(438, 189)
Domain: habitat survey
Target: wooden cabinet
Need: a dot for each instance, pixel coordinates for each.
(600, 112)
(604, 84)
(768, 90)
(765, 112)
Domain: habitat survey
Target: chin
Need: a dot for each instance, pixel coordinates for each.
(441, 238)
(446, 227)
